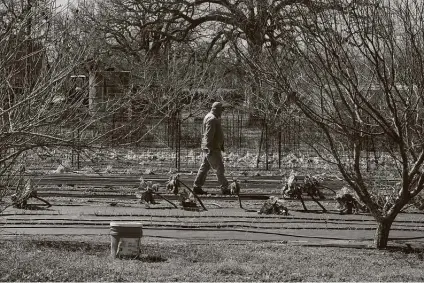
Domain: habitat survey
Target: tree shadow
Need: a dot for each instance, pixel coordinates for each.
(72, 246)
(144, 258)
(32, 206)
(406, 248)
(158, 208)
(312, 211)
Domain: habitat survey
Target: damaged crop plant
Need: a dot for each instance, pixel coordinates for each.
(357, 73)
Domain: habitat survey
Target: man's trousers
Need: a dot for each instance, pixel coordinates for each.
(212, 160)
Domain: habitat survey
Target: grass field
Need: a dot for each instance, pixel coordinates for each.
(71, 259)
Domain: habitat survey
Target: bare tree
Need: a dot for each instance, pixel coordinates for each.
(36, 112)
(359, 77)
(245, 28)
(133, 38)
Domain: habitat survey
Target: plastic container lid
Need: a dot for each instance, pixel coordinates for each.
(125, 224)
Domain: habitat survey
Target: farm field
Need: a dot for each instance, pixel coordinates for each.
(248, 246)
(86, 204)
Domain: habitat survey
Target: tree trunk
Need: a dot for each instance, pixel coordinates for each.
(381, 236)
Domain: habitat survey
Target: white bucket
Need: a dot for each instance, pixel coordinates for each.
(125, 238)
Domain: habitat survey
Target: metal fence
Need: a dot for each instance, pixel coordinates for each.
(251, 143)
(179, 139)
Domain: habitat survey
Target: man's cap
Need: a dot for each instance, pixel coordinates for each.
(218, 104)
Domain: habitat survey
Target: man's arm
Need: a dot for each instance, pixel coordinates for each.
(210, 128)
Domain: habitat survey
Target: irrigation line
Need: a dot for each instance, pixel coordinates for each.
(218, 230)
(179, 221)
(69, 220)
(406, 238)
(82, 195)
(238, 240)
(274, 218)
(223, 218)
(123, 180)
(195, 227)
(261, 216)
(236, 219)
(190, 225)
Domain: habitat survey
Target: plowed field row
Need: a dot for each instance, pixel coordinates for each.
(86, 204)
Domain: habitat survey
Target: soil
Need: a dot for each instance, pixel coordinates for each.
(84, 206)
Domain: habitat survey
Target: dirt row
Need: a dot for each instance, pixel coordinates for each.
(79, 207)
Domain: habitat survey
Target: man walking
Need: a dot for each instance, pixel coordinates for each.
(212, 145)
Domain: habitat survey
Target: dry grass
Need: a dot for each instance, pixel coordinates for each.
(172, 260)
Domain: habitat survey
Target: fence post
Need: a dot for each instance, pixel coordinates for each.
(240, 129)
(299, 134)
(266, 143)
(279, 148)
(79, 148)
(258, 158)
(178, 140)
(73, 149)
(76, 148)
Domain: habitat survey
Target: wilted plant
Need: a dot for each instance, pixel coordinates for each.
(173, 184)
(146, 191)
(24, 188)
(232, 189)
(187, 199)
(295, 187)
(348, 202)
(108, 169)
(274, 205)
(24, 193)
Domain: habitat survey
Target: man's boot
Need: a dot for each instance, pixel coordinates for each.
(199, 191)
(225, 190)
